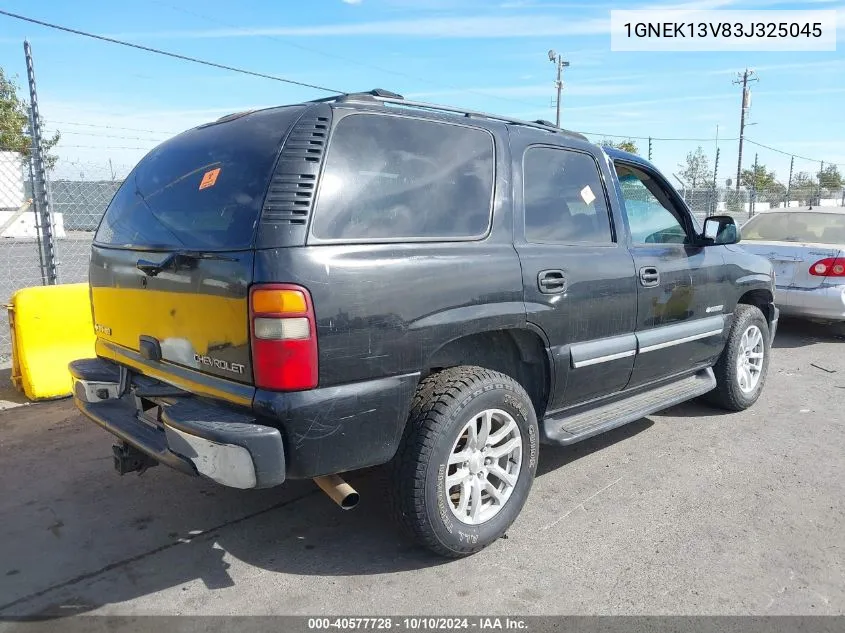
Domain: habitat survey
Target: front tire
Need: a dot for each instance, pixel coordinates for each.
(742, 368)
(467, 460)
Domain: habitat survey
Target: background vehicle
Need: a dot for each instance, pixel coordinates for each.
(302, 291)
(807, 249)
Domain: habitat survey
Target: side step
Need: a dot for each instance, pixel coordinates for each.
(566, 429)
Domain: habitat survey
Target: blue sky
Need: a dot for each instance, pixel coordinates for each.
(480, 54)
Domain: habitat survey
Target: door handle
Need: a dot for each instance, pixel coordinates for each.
(649, 276)
(551, 281)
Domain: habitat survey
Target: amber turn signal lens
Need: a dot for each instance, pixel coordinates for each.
(278, 302)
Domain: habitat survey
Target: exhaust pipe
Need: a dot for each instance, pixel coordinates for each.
(338, 490)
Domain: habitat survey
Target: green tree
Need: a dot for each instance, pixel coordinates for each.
(758, 178)
(804, 188)
(626, 146)
(696, 170)
(14, 123)
(830, 178)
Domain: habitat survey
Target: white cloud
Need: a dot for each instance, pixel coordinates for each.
(497, 26)
(527, 91)
(803, 67)
(351, 1)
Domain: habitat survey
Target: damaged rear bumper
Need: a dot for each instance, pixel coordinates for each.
(174, 428)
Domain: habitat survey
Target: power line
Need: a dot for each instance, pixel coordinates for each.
(113, 127)
(126, 138)
(653, 138)
(158, 51)
(355, 62)
(103, 147)
(780, 151)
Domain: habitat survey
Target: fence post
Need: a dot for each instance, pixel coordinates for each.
(40, 193)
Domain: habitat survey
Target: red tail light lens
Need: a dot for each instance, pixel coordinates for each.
(830, 267)
(284, 337)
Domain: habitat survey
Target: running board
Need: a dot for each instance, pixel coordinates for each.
(566, 429)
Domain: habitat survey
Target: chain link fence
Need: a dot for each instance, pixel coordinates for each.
(20, 248)
(76, 206)
(80, 203)
(743, 204)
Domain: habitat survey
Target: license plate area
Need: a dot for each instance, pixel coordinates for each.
(149, 412)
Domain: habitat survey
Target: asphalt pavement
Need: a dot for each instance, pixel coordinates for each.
(689, 511)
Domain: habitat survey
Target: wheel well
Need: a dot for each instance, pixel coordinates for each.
(760, 298)
(517, 353)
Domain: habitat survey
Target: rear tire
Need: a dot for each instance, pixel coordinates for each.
(466, 462)
(741, 371)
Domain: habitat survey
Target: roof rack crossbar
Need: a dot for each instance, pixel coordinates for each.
(547, 127)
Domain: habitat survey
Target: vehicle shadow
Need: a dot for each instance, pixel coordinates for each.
(90, 538)
(794, 333)
(555, 457)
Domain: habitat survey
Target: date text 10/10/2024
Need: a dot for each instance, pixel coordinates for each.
(418, 624)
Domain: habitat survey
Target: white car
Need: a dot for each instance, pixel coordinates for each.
(807, 249)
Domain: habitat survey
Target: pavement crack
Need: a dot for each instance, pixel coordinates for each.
(582, 504)
(163, 548)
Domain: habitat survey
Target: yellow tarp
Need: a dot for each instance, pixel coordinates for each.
(50, 327)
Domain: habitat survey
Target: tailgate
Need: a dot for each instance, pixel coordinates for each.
(172, 259)
(196, 315)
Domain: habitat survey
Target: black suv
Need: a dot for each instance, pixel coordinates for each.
(306, 290)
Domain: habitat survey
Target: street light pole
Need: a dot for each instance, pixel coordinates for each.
(556, 59)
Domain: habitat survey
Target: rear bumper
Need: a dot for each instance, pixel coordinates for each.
(825, 302)
(191, 435)
(293, 435)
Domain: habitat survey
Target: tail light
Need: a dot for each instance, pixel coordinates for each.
(830, 267)
(284, 337)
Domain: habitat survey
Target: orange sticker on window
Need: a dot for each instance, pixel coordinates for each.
(209, 178)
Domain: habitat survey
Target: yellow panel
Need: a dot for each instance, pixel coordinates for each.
(50, 327)
(203, 320)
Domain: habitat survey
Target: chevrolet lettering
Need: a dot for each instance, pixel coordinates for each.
(235, 368)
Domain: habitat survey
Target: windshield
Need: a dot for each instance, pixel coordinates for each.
(202, 190)
(803, 226)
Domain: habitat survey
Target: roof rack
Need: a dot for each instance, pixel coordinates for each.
(385, 96)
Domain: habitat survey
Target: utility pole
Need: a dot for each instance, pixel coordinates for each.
(715, 180)
(556, 59)
(819, 183)
(743, 78)
(753, 205)
(789, 184)
(649, 148)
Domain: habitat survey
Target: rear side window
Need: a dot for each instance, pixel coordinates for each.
(564, 198)
(390, 177)
(202, 190)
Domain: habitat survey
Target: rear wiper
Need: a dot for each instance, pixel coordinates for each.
(175, 260)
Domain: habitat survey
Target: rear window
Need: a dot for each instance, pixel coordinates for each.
(820, 228)
(202, 190)
(390, 177)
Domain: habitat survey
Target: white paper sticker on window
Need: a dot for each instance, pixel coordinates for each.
(587, 195)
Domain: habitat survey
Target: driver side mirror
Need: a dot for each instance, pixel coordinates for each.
(720, 229)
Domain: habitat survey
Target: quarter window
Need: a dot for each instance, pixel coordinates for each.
(564, 198)
(390, 177)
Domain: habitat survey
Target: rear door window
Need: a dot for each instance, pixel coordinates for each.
(202, 190)
(564, 198)
(389, 177)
